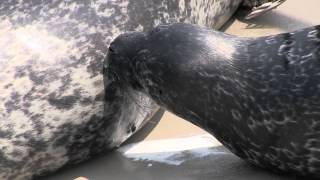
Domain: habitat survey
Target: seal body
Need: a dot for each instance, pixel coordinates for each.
(258, 96)
(54, 111)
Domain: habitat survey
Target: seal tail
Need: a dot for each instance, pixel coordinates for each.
(126, 109)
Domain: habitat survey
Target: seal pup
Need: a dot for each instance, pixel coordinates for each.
(53, 109)
(260, 97)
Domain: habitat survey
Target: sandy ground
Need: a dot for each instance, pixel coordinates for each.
(292, 15)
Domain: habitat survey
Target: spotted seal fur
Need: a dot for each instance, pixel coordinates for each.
(260, 97)
(53, 110)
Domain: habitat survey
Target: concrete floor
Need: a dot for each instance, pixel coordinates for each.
(292, 15)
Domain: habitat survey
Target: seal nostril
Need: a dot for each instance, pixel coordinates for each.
(160, 92)
(132, 128)
(111, 49)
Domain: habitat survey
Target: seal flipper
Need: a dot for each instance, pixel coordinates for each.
(260, 7)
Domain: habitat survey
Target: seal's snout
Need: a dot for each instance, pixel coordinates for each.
(126, 43)
(119, 62)
(123, 48)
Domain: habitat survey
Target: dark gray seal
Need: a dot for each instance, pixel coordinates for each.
(53, 109)
(260, 97)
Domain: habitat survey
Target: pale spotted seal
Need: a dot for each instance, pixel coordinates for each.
(260, 97)
(51, 85)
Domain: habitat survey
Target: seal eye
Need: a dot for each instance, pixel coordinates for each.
(158, 29)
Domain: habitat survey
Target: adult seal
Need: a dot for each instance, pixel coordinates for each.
(260, 97)
(54, 111)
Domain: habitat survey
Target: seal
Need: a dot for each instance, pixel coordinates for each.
(258, 96)
(54, 111)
